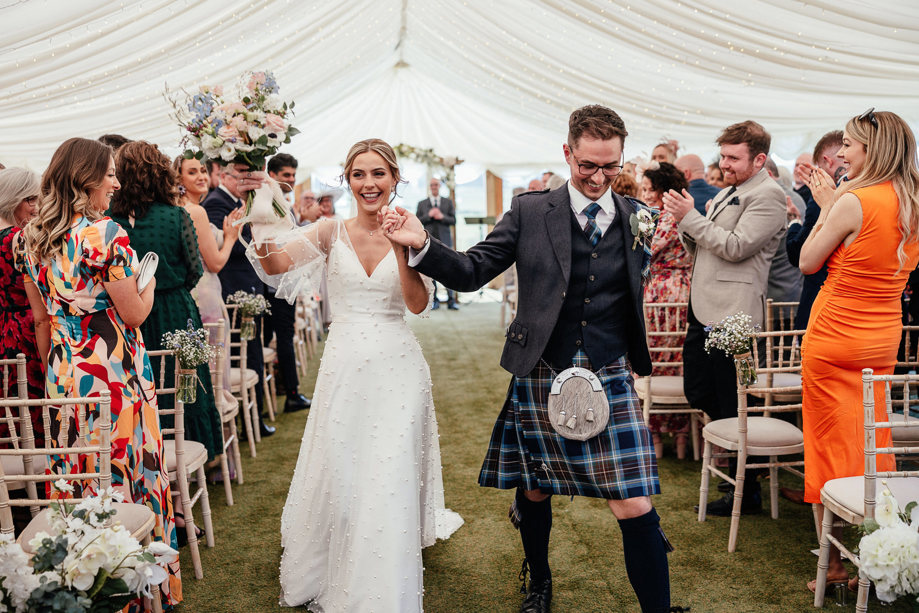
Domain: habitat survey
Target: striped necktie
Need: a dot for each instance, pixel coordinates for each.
(591, 229)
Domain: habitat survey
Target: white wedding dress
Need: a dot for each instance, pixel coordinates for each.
(367, 492)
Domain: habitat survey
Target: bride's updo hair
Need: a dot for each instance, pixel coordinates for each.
(381, 148)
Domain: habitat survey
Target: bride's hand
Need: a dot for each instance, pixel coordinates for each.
(403, 228)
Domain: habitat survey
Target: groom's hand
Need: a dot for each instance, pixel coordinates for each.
(402, 227)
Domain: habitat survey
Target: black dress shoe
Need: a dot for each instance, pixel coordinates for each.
(752, 504)
(266, 430)
(296, 402)
(452, 306)
(539, 597)
(435, 306)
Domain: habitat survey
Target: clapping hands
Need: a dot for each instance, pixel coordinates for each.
(822, 186)
(677, 204)
(401, 227)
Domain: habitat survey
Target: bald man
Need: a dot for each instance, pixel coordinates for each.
(693, 168)
(805, 159)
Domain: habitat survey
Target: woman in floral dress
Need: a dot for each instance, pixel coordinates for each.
(671, 270)
(81, 279)
(18, 204)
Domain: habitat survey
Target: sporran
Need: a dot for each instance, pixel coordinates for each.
(578, 406)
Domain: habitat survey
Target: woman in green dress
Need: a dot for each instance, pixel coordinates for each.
(146, 207)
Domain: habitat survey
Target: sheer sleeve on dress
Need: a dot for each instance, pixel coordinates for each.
(293, 262)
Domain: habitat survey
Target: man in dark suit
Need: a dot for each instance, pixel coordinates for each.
(438, 216)
(824, 157)
(237, 273)
(580, 273)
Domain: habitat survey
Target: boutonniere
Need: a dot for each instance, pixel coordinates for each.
(643, 221)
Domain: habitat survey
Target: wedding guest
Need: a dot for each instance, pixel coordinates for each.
(19, 195)
(866, 234)
(327, 200)
(803, 165)
(668, 281)
(81, 275)
(536, 186)
(214, 246)
(237, 273)
(146, 207)
(785, 279)
(714, 176)
(733, 245)
(665, 152)
(367, 494)
(553, 182)
(546, 176)
(279, 322)
(438, 216)
(575, 267)
(693, 168)
(306, 210)
(826, 159)
(625, 185)
(115, 141)
(213, 173)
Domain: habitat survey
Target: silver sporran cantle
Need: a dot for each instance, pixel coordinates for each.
(578, 406)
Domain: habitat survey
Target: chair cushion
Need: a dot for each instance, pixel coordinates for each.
(761, 431)
(251, 378)
(904, 435)
(662, 385)
(269, 354)
(849, 492)
(12, 465)
(195, 456)
(780, 379)
(137, 518)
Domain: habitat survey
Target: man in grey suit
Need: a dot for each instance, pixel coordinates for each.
(580, 273)
(438, 216)
(733, 245)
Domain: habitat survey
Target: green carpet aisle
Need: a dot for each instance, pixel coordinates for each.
(476, 570)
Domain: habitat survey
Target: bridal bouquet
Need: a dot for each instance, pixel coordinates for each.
(734, 336)
(250, 306)
(889, 550)
(191, 350)
(246, 127)
(84, 566)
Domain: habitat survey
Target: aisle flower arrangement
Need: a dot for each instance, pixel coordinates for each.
(191, 350)
(84, 565)
(734, 336)
(889, 550)
(250, 307)
(245, 127)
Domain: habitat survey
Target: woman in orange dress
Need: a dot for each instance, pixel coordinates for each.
(867, 235)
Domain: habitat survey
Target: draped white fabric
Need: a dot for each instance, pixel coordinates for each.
(489, 81)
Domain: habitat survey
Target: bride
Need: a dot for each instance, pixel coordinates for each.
(367, 492)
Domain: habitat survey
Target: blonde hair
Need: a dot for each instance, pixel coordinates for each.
(890, 155)
(381, 148)
(16, 184)
(77, 167)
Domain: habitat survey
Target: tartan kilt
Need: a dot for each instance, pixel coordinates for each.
(525, 451)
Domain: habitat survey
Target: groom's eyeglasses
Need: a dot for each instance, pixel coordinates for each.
(870, 116)
(589, 168)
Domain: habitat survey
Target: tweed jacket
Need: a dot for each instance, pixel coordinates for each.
(536, 235)
(438, 228)
(733, 245)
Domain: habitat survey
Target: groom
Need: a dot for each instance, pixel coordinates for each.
(580, 283)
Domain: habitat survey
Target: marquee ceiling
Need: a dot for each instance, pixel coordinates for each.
(490, 81)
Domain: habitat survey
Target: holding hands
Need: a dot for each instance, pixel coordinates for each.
(678, 204)
(402, 227)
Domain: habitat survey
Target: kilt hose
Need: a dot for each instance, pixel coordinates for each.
(525, 451)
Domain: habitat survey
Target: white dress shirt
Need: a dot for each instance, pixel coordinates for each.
(580, 202)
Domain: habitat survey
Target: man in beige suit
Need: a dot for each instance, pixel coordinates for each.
(733, 245)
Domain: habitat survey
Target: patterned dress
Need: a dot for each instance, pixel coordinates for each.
(93, 350)
(17, 332)
(671, 271)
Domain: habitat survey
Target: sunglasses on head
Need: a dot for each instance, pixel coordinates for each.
(870, 116)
